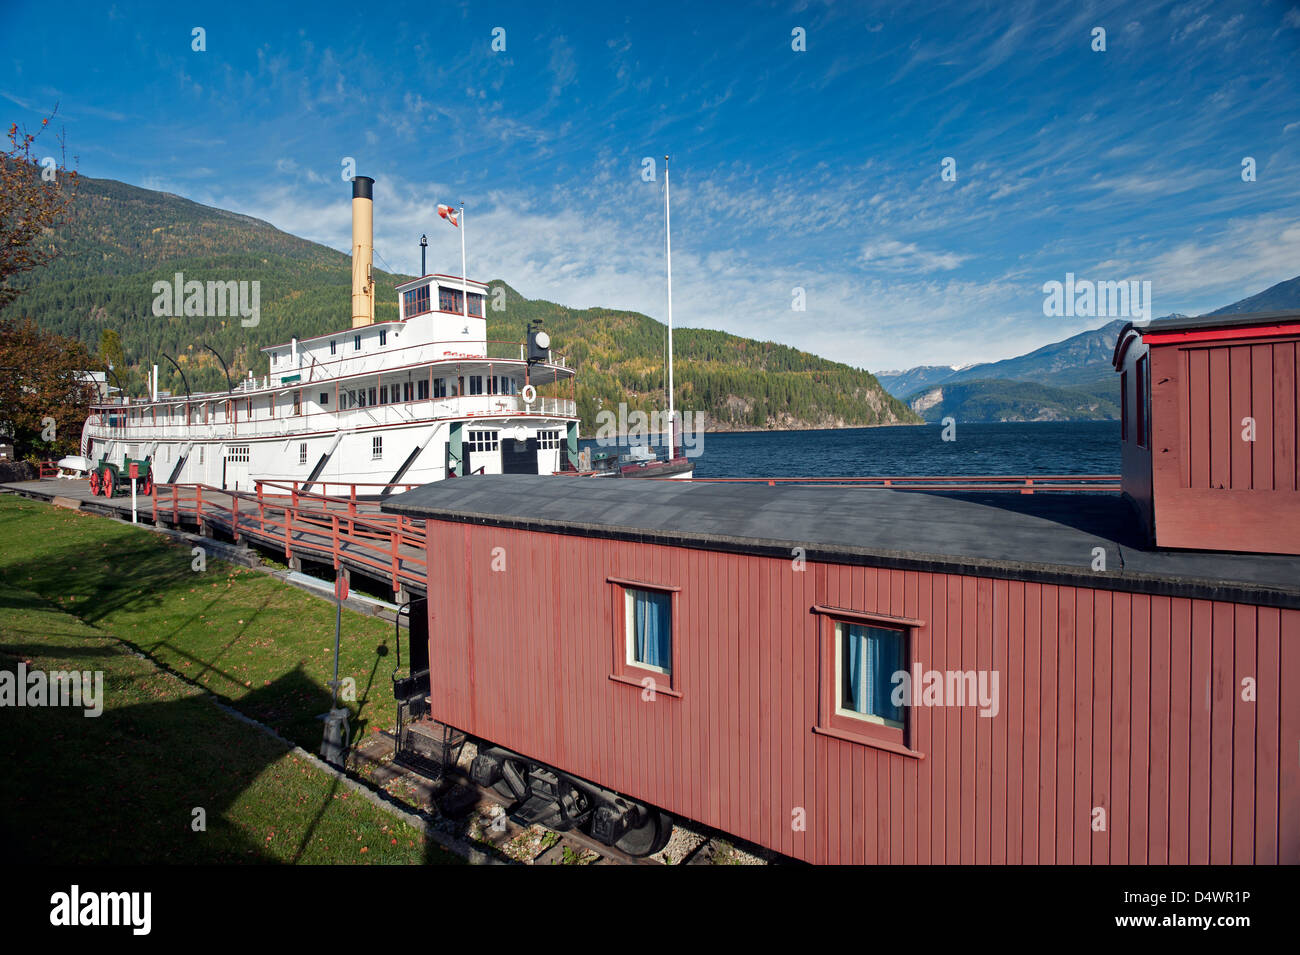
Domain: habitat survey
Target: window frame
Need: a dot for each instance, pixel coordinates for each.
(832, 719)
(1123, 405)
(1142, 393)
(630, 673)
(376, 447)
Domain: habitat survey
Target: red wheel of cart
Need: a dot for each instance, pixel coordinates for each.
(108, 483)
(94, 483)
(146, 486)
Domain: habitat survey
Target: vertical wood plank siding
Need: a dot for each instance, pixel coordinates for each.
(1213, 484)
(1117, 708)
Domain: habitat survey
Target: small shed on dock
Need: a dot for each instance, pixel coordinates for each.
(1211, 407)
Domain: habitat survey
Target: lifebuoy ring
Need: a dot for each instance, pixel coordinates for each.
(529, 394)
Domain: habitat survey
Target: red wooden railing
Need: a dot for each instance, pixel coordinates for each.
(1024, 483)
(313, 525)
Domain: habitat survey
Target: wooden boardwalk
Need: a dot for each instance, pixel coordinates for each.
(350, 534)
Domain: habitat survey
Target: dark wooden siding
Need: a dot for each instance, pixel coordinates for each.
(1125, 702)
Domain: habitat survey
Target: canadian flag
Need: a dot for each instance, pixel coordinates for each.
(448, 213)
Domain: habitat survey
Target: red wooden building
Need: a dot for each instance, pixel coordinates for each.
(727, 654)
(1210, 430)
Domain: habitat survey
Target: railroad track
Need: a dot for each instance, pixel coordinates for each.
(481, 815)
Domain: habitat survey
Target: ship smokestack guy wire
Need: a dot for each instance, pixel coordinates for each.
(363, 239)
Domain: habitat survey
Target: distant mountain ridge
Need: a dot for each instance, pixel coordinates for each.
(1072, 379)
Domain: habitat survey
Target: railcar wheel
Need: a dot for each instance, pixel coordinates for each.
(648, 838)
(502, 787)
(94, 484)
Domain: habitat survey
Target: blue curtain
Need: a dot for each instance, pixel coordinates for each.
(653, 633)
(872, 656)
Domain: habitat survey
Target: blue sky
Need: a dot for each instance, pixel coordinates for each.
(818, 169)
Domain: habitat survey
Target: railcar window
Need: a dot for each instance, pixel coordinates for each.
(649, 629)
(1123, 406)
(868, 659)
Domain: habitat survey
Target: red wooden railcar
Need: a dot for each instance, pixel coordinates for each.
(1210, 430)
(1142, 704)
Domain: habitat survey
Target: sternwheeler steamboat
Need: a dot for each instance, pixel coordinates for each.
(410, 401)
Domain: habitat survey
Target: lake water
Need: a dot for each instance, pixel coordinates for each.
(1087, 447)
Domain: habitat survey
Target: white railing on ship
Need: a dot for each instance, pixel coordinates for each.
(467, 406)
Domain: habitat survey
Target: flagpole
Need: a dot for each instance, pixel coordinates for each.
(464, 279)
(668, 239)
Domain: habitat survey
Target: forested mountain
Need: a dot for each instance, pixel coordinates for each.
(1081, 359)
(123, 239)
(1069, 380)
(1002, 399)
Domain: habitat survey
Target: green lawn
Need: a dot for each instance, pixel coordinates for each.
(122, 787)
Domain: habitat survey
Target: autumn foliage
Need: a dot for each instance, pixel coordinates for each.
(36, 195)
(44, 394)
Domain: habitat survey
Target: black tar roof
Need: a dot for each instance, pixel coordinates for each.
(1047, 537)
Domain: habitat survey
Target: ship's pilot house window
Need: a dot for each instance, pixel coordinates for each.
(414, 302)
(649, 625)
(440, 387)
(868, 658)
(476, 384)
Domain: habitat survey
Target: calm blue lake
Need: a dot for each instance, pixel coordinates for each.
(1090, 447)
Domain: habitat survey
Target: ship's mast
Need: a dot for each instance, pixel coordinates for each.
(464, 280)
(668, 239)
